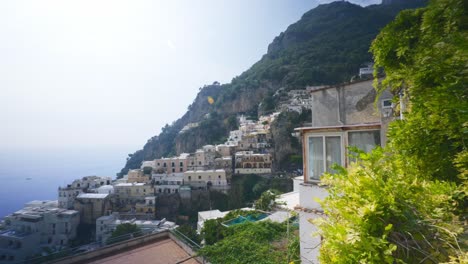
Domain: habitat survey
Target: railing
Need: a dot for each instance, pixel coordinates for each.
(87, 248)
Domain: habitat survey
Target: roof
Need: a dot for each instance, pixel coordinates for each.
(124, 184)
(288, 200)
(164, 251)
(204, 171)
(278, 216)
(341, 127)
(213, 214)
(93, 195)
(106, 187)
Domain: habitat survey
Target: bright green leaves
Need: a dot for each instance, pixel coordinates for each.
(407, 203)
(383, 209)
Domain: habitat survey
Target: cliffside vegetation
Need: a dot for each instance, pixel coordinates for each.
(407, 203)
(259, 242)
(326, 46)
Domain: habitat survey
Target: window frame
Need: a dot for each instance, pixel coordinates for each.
(344, 135)
(323, 135)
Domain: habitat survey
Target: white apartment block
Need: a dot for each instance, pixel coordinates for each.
(40, 224)
(105, 225)
(206, 179)
(68, 194)
(167, 183)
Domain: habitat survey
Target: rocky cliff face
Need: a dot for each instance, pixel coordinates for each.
(326, 46)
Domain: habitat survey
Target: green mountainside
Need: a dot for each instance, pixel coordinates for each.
(326, 46)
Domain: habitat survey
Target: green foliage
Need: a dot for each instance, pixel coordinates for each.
(326, 46)
(406, 203)
(123, 232)
(213, 231)
(383, 209)
(267, 202)
(424, 54)
(259, 243)
(190, 233)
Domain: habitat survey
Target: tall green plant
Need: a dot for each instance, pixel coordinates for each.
(407, 203)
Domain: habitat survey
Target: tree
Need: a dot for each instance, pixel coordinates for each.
(266, 202)
(406, 203)
(190, 233)
(213, 231)
(123, 232)
(424, 53)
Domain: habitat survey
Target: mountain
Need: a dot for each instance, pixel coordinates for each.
(326, 46)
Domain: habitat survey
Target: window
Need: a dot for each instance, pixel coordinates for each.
(387, 103)
(173, 169)
(164, 165)
(364, 140)
(190, 178)
(199, 177)
(324, 151)
(219, 176)
(181, 169)
(173, 164)
(181, 164)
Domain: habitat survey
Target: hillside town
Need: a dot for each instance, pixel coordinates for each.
(341, 162)
(104, 203)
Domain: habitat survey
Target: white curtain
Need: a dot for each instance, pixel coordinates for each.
(364, 140)
(315, 161)
(333, 150)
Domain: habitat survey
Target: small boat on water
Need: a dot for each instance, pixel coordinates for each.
(28, 179)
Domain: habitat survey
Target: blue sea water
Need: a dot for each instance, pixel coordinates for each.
(27, 175)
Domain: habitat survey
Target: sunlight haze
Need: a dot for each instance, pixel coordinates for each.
(112, 73)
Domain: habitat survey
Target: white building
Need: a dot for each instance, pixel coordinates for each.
(208, 215)
(40, 224)
(340, 118)
(109, 189)
(368, 70)
(105, 225)
(67, 194)
(167, 183)
(207, 179)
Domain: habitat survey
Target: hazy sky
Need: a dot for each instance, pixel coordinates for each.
(112, 73)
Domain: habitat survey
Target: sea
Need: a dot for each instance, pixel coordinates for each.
(35, 174)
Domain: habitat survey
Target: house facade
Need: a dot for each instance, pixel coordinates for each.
(342, 116)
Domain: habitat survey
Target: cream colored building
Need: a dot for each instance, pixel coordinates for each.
(168, 165)
(248, 162)
(129, 194)
(137, 176)
(206, 179)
